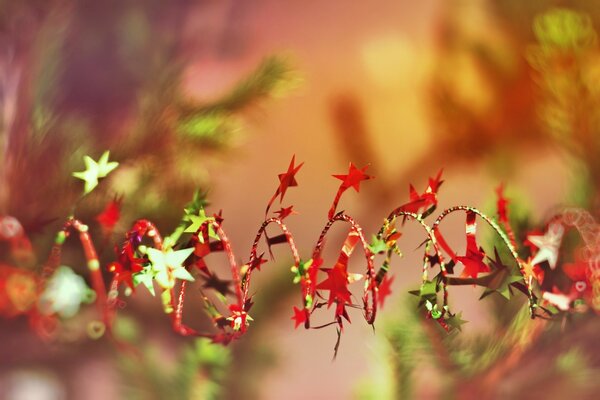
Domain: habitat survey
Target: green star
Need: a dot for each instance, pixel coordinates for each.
(95, 170)
(427, 289)
(301, 270)
(145, 277)
(168, 265)
(455, 321)
(197, 221)
(377, 245)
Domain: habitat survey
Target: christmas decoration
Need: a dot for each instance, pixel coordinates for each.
(179, 260)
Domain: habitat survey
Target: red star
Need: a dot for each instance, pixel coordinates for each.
(299, 316)
(109, 217)
(285, 212)
(121, 275)
(384, 289)
(473, 262)
(435, 183)
(353, 178)
(288, 179)
(257, 262)
(501, 204)
(473, 259)
(421, 203)
(337, 284)
(337, 277)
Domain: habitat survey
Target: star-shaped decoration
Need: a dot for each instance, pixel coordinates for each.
(504, 277)
(547, 244)
(301, 270)
(95, 170)
(435, 183)
(121, 275)
(64, 293)
(198, 202)
(532, 271)
(560, 300)
(353, 178)
(239, 318)
(220, 285)
(385, 289)
(285, 212)
(501, 205)
(455, 321)
(427, 289)
(109, 217)
(337, 284)
(196, 223)
(473, 258)
(146, 278)
(257, 262)
(377, 245)
(168, 266)
(300, 316)
(473, 262)
(286, 180)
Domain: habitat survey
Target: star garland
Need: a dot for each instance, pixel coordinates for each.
(179, 260)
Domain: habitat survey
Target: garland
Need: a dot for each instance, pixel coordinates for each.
(173, 263)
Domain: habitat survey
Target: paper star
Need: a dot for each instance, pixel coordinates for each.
(299, 316)
(168, 265)
(220, 285)
(197, 222)
(473, 259)
(354, 177)
(501, 205)
(384, 289)
(532, 271)
(560, 300)
(435, 183)
(239, 318)
(301, 270)
(548, 245)
(109, 217)
(503, 279)
(337, 284)
(95, 170)
(377, 245)
(257, 262)
(423, 203)
(64, 293)
(351, 179)
(285, 212)
(146, 278)
(473, 262)
(286, 180)
(455, 321)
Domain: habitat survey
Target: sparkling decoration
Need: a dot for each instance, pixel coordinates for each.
(64, 293)
(180, 260)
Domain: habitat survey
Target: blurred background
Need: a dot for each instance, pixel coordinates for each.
(219, 95)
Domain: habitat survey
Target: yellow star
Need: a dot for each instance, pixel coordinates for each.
(168, 265)
(95, 170)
